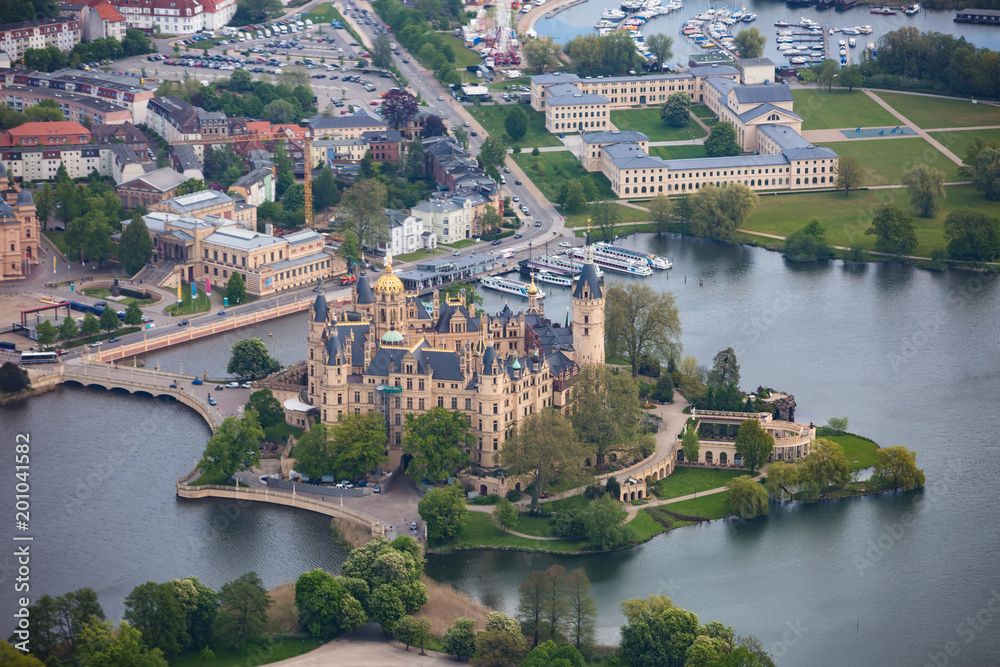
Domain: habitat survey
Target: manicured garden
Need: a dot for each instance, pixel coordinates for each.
(549, 170)
(678, 152)
(478, 530)
(936, 112)
(702, 111)
(189, 305)
(685, 481)
(860, 452)
(958, 141)
(104, 293)
(821, 110)
(649, 123)
(492, 117)
(712, 506)
(887, 159)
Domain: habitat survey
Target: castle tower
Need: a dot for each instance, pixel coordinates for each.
(588, 313)
(389, 311)
(533, 304)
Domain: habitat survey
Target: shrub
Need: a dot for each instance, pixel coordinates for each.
(491, 499)
(594, 491)
(568, 524)
(513, 495)
(650, 366)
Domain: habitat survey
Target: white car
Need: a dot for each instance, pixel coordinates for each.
(565, 244)
(233, 385)
(246, 385)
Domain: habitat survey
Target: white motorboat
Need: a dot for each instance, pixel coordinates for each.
(613, 14)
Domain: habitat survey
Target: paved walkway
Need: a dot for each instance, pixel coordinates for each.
(367, 647)
(633, 510)
(906, 121)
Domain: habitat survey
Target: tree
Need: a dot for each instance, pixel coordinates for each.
(718, 212)
(691, 444)
(190, 185)
(491, 221)
(91, 325)
(541, 54)
(897, 469)
(240, 81)
(313, 454)
(746, 498)
(324, 605)
(641, 321)
(661, 212)
(109, 320)
(721, 141)
(324, 189)
(268, 408)
(399, 108)
(850, 174)
(516, 123)
(652, 605)
(531, 605)
(606, 413)
(43, 204)
(850, 77)
(926, 186)
(460, 638)
(416, 158)
(438, 441)
(359, 443)
(826, 73)
(894, 231)
(663, 391)
(658, 641)
(753, 444)
(279, 112)
(606, 216)
(782, 479)
(545, 445)
(986, 173)
(413, 631)
(200, 605)
(386, 607)
(68, 329)
(461, 136)
(153, 610)
(808, 244)
(133, 314)
(250, 358)
(382, 52)
(12, 657)
(362, 211)
(243, 605)
(725, 369)
(492, 155)
(838, 424)
(500, 642)
(434, 127)
(972, 235)
(582, 610)
(662, 48)
(574, 200)
(103, 646)
(750, 43)
(294, 198)
(233, 446)
(604, 520)
(504, 514)
(350, 249)
(611, 55)
(47, 333)
(443, 509)
(826, 465)
(136, 246)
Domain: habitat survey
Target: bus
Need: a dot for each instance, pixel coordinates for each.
(39, 358)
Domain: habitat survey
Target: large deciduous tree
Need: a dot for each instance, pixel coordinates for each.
(359, 443)
(460, 638)
(850, 174)
(894, 231)
(233, 446)
(661, 212)
(808, 244)
(362, 211)
(243, 605)
(675, 111)
(154, 610)
(972, 235)
(722, 141)
(850, 77)
(443, 509)
(746, 498)
(136, 246)
(268, 408)
(516, 123)
(313, 454)
(659, 640)
(500, 642)
(604, 522)
(545, 445)
(662, 48)
(399, 107)
(250, 359)
(750, 43)
(382, 52)
(606, 413)
(541, 54)
(325, 607)
(753, 444)
(897, 469)
(725, 369)
(641, 321)
(926, 188)
(236, 288)
(101, 645)
(437, 440)
(492, 155)
(691, 444)
(718, 212)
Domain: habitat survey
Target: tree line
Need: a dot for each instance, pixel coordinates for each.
(51, 58)
(415, 29)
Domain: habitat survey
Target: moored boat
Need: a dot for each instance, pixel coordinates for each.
(508, 286)
(602, 247)
(554, 279)
(615, 264)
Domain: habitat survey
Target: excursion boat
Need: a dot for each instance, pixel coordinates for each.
(508, 286)
(615, 264)
(602, 247)
(554, 279)
(558, 264)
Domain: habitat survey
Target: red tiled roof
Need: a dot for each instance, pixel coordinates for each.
(45, 129)
(108, 13)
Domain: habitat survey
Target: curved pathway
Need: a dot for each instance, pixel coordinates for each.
(921, 133)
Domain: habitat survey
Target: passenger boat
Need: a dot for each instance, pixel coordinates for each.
(508, 286)
(554, 279)
(615, 264)
(602, 247)
(558, 264)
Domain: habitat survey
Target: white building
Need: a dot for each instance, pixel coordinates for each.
(450, 220)
(407, 234)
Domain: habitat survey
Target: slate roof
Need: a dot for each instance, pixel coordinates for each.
(734, 162)
(713, 70)
(589, 277)
(755, 62)
(810, 153)
(577, 98)
(364, 288)
(611, 137)
(554, 77)
(320, 309)
(558, 89)
(632, 156)
(784, 136)
(446, 311)
(765, 108)
(762, 94)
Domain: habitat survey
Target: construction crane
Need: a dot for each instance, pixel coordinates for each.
(262, 137)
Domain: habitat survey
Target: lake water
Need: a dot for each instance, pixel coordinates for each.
(579, 20)
(908, 355)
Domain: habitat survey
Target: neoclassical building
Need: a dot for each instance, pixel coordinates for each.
(717, 437)
(391, 352)
(19, 233)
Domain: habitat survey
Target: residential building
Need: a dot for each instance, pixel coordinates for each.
(175, 120)
(46, 133)
(122, 90)
(124, 133)
(82, 109)
(256, 187)
(19, 233)
(149, 189)
(126, 164)
(755, 71)
(346, 127)
(58, 31)
(176, 17)
(100, 20)
(384, 145)
(184, 159)
(389, 352)
(406, 234)
(450, 219)
(335, 151)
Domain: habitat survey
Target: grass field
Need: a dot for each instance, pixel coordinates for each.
(277, 432)
(564, 504)
(189, 306)
(549, 170)
(104, 292)
(418, 254)
(821, 110)
(507, 84)
(887, 159)
(712, 506)
(463, 57)
(628, 214)
(645, 526)
(859, 452)
(847, 218)
(683, 481)
(534, 525)
(648, 122)
(935, 112)
(702, 111)
(323, 12)
(958, 141)
(678, 152)
(479, 531)
(492, 116)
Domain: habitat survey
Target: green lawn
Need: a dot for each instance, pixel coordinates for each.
(683, 481)
(958, 141)
(413, 256)
(712, 506)
(678, 152)
(847, 218)
(628, 215)
(58, 239)
(645, 527)
(887, 159)
(572, 503)
(478, 531)
(821, 110)
(463, 57)
(212, 478)
(104, 292)
(860, 452)
(492, 116)
(322, 13)
(461, 244)
(648, 122)
(506, 84)
(549, 170)
(188, 305)
(534, 525)
(277, 432)
(282, 649)
(702, 111)
(935, 112)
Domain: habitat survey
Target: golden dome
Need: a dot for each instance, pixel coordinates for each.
(389, 283)
(532, 288)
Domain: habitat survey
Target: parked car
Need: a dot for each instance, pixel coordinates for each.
(565, 244)
(413, 525)
(233, 385)
(247, 385)
(516, 182)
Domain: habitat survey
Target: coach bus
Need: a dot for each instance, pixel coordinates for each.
(39, 358)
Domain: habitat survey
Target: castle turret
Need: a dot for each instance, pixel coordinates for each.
(588, 313)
